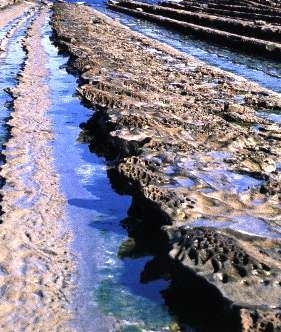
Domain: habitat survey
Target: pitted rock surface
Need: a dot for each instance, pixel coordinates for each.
(244, 271)
(187, 140)
(256, 320)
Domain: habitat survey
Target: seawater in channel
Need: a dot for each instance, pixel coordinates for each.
(10, 65)
(265, 72)
(109, 296)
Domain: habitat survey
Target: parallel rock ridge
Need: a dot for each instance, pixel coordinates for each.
(244, 25)
(188, 144)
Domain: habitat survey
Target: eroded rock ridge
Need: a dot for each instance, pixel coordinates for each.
(195, 149)
(244, 25)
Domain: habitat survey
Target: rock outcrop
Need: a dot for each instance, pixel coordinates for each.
(245, 26)
(188, 142)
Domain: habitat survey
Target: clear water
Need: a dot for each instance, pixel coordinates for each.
(274, 116)
(245, 224)
(10, 66)
(109, 294)
(211, 171)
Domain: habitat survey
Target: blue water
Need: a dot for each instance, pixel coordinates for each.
(109, 295)
(10, 63)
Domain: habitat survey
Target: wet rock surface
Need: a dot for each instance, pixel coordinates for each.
(222, 258)
(245, 26)
(185, 141)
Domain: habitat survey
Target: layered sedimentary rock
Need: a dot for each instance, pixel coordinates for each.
(193, 146)
(257, 32)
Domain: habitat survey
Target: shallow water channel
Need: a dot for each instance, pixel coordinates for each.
(10, 64)
(109, 295)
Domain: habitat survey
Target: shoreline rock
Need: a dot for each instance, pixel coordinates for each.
(179, 136)
(251, 36)
(6, 3)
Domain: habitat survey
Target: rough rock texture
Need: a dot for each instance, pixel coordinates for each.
(260, 36)
(260, 11)
(232, 259)
(186, 141)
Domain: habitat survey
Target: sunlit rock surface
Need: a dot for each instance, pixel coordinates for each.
(4, 3)
(186, 141)
(244, 25)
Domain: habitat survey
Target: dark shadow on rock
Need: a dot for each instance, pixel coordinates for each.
(191, 299)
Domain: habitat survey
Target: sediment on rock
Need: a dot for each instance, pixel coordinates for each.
(246, 35)
(186, 141)
(35, 260)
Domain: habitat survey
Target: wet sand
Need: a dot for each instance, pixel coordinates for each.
(10, 13)
(35, 260)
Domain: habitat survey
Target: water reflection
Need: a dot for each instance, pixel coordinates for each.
(110, 287)
(109, 295)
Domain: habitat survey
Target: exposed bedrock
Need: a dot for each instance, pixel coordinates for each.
(258, 37)
(193, 146)
(268, 12)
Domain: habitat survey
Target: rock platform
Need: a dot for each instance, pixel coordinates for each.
(244, 26)
(193, 146)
